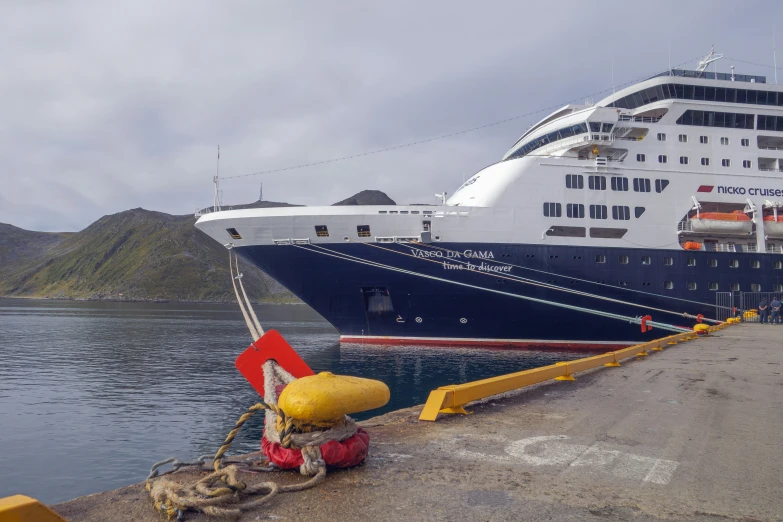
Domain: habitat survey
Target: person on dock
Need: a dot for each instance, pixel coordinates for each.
(763, 310)
(775, 310)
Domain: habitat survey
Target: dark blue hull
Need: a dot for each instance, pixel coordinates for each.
(367, 303)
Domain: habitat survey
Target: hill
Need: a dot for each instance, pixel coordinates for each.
(17, 244)
(367, 197)
(136, 255)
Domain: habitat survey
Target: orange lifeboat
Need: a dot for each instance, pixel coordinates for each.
(722, 223)
(773, 227)
(692, 245)
(737, 215)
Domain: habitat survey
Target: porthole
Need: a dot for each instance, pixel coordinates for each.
(463, 320)
(419, 319)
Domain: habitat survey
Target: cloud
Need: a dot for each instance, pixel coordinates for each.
(110, 106)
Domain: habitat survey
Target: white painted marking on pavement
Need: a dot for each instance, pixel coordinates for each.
(551, 450)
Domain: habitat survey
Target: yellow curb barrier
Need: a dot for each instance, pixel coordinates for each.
(452, 398)
(20, 508)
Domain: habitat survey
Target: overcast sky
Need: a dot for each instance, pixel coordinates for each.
(106, 106)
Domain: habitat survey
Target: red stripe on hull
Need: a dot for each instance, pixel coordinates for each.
(488, 343)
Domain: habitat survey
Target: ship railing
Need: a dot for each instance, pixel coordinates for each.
(397, 239)
(721, 247)
(770, 148)
(685, 226)
(640, 119)
(766, 169)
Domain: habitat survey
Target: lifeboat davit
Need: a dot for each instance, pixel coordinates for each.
(733, 223)
(773, 227)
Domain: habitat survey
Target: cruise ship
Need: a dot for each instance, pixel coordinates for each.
(649, 203)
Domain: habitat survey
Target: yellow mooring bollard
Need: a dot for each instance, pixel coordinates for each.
(20, 508)
(325, 397)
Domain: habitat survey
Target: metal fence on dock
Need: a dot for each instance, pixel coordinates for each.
(742, 304)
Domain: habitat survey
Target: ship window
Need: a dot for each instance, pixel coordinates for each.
(414, 211)
(646, 260)
(683, 138)
(607, 127)
(755, 263)
(725, 162)
(608, 233)
(745, 142)
(363, 230)
(724, 140)
(426, 225)
(566, 231)
(321, 231)
(641, 157)
(691, 261)
(661, 136)
(623, 260)
(553, 210)
(755, 287)
(746, 164)
(661, 184)
(638, 211)
(777, 265)
(668, 261)
(734, 263)
(597, 211)
(233, 233)
(705, 161)
(575, 181)
(595, 126)
(575, 210)
(596, 182)
(662, 158)
(619, 184)
(777, 288)
(712, 286)
(621, 213)
(717, 119)
(641, 185)
(381, 212)
(600, 259)
(691, 285)
(704, 139)
(668, 285)
(683, 160)
(735, 287)
(713, 263)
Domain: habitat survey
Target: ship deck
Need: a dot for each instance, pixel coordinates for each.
(690, 433)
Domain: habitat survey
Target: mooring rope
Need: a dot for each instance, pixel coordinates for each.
(253, 332)
(524, 280)
(632, 320)
(258, 327)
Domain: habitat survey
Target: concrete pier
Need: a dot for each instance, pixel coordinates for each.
(691, 433)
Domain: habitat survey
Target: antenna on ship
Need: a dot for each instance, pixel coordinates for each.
(775, 59)
(216, 180)
(707, 60)
(261, 192)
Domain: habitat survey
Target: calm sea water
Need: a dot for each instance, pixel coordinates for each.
(91, 394)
